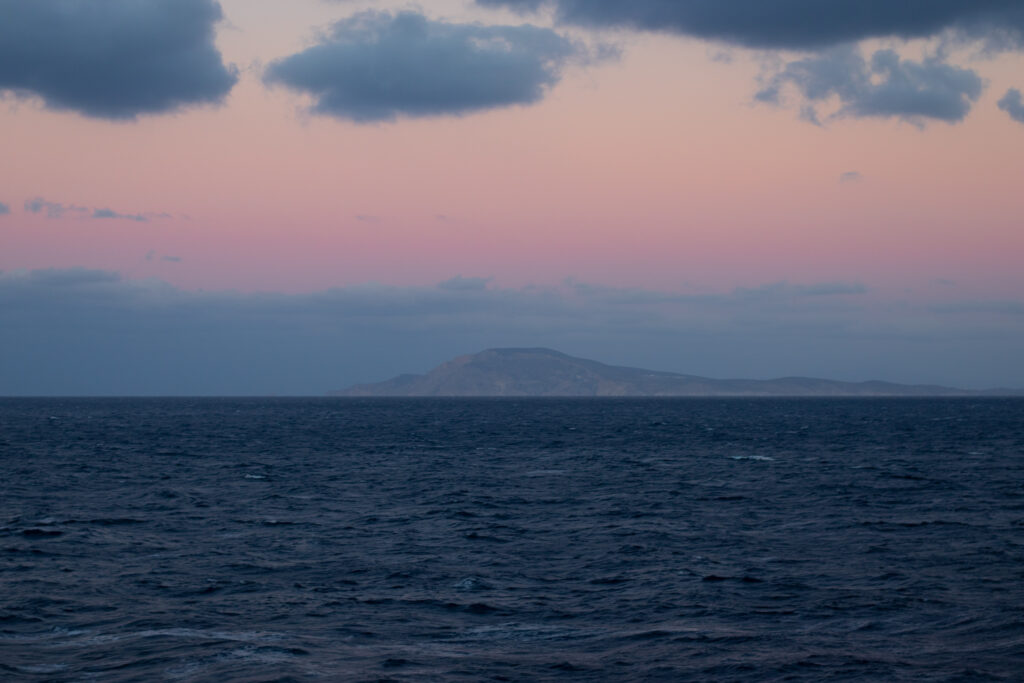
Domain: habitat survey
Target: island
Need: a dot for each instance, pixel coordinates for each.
(546, 372)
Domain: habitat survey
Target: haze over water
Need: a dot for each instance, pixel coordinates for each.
(621, 539)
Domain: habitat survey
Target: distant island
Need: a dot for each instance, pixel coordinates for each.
(545, 372)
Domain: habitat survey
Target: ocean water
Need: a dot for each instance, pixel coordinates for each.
(511, 540)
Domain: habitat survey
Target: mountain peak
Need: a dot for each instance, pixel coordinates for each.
(522, 350)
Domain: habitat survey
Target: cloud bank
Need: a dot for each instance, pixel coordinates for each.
(375, 66)
(115, 59)
(4, 209)
(791, 24)
(80, 331)
(884, 86)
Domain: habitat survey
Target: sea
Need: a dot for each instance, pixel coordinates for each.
(512, 539)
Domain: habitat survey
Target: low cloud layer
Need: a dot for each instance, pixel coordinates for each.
(791, 24)
(115, 59)
(1013, 104)
(80, 331)
(376, 66)
(4, 209)
(886, 86)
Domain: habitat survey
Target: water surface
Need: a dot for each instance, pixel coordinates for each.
(633, 539)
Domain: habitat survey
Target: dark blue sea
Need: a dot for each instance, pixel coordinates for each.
(511, 540)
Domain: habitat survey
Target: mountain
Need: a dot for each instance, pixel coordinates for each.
(544, 372)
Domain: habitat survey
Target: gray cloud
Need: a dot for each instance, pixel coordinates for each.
(114, 59)
(52, 209)
(793, 24)
(83, 331)
(885, 87)
(111, 214)
(59, 210)
(1013, 104)
(4, 209)
(375, 66)
(850, 177)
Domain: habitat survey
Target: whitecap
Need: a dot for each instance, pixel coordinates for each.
(472, 583)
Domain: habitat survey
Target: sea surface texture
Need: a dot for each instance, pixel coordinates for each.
(523, 540)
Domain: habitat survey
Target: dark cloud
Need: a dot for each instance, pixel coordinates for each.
(114, 59)
(850, 177)
(172, 259)
(376, 66)
(792, 24)
(1013, 104)
(85, 331)
(887, 86)
(4, 209)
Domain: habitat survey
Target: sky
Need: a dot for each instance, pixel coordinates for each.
(270, 197)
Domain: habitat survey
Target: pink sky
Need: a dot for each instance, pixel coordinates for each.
(654, 170)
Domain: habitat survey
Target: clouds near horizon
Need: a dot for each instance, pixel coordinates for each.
(378, 66)
(115, 59)
(82, 331)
